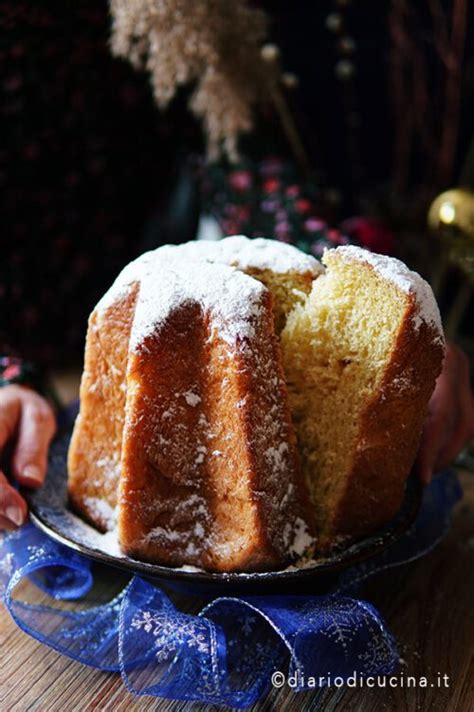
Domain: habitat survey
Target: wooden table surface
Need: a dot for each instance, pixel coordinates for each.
(427, 604)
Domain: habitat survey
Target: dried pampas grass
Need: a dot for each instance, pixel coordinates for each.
(214, 44)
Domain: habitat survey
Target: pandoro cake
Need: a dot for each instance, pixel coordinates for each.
(241, 405)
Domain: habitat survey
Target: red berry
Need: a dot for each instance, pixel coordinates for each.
(11, 372)
(303, 205)
(292, 191)
(241, 180)
(271, 185)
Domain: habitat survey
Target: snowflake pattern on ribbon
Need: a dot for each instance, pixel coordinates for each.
(170, 634)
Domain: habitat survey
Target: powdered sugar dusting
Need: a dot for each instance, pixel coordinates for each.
(297, 538)
(231, 298)
(405, 279)
(257, 253)
(101, 509)
(128, 276)
(110, 468)
(276, 457)
(109, 543)
(191, 398)
(237, 251)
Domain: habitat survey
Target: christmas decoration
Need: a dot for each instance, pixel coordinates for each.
(371, 234)
(268, 198)
(16, 371)
(451, 215)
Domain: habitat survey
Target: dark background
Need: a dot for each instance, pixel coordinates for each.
(86, 159)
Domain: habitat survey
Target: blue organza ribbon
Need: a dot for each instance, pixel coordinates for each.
(226, 653)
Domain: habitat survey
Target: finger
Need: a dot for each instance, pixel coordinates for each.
(460, 438)
(37, 427)
(437, 430)
(13, 508)
(6, 525)
(463, 406)
(426, 463)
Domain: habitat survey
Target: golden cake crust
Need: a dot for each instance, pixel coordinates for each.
(196, 447)
(390, 430)
(154, 399)
(94, 455)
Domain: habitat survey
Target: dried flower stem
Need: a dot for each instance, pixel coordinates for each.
(213, 44)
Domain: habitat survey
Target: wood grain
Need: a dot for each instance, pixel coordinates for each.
(427, 604)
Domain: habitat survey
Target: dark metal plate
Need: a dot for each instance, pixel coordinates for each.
(50, 512)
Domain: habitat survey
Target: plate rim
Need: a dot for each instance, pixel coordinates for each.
(381, 539)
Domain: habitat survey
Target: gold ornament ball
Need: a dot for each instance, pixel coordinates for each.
(453, 210)
(452, 216)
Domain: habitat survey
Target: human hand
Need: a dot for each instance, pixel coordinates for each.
(450, 422)
(27, 421)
